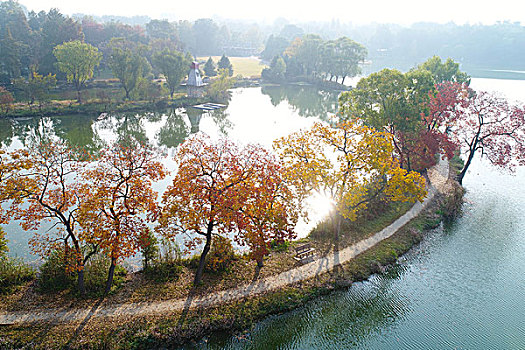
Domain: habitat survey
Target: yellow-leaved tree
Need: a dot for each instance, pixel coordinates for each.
(351, 163)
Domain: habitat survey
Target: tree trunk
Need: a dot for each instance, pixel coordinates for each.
(80, 282)
(110, 275)
(336, 224)
(79, 96)
(343, 82)
(260, 262)
(202, 261)
(467, 164)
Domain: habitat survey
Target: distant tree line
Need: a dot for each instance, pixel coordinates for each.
(314, 58)
(39, 50)
(475, 46)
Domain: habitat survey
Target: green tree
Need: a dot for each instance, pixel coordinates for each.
(219, 88)
(78, 61)
(309, 54)
(57, 29)
(205, 34)
(391, 101)
(276, 71)
(162, 29)
(128, 63)
(341, 57)
(444, 71)
(275, 45)
(210, 69)
(224, 63)
(15, 41)
(173, 65)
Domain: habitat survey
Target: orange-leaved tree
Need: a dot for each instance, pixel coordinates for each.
(41, 185)
(120, 200)
(351, 163)
(268, 205)
(220, 189)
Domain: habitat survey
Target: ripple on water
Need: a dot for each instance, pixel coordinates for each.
(462, 287)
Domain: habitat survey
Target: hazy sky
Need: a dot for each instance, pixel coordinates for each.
(362, 11)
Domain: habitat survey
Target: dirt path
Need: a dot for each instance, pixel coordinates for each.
(438, 176)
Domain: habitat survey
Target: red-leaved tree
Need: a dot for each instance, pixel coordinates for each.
(223, 189)
(492, 126)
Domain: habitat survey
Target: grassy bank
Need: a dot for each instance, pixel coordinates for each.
(97, 106)
(171, 330)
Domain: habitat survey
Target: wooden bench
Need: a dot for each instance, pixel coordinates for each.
(304, 252)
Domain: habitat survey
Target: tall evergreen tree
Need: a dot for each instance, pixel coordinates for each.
(224, 63)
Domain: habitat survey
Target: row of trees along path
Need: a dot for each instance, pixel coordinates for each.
(439, 182)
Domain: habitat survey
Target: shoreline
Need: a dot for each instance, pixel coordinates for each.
(196, 317)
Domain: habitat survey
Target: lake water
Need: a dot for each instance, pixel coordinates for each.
(257, 115)
(461, 288)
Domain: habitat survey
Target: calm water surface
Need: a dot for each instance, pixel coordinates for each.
(256, 115)
(462, 288)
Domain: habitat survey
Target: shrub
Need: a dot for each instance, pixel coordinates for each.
(3, 244)
(13, 272)
(221, 255)
(56, 274)
(167, 263)
(279, 245)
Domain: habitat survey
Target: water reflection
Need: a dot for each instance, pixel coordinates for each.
(307, 101)
(373, 304)
(6, 132)
(462, 287)
(174, 131)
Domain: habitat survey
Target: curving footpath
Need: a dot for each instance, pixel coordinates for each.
(438, 176)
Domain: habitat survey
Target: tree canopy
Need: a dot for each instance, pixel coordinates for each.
(173, 65)
(78, 61)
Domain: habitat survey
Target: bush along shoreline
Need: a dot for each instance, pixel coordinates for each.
(177, 328)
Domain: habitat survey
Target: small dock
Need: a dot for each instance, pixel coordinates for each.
(208, 106)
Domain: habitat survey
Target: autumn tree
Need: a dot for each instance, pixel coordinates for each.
(444, 105)
(222, 189)
(351, 163)
(270, 205)
(44, 179)
(173, 65)
(128, 63)
(492, 126)
(78, 61)
(6, 100)
(120, 200)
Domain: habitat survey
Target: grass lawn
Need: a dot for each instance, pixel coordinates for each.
(245, 66)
